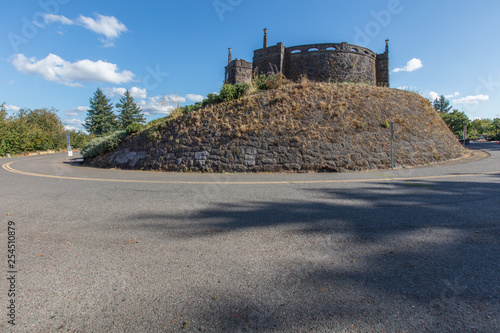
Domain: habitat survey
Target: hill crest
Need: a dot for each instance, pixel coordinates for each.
(305, 126)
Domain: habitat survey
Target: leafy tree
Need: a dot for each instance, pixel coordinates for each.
(129, 111)
(476, 126)
(46, 129)
(456, 121)
(5, 134)
(442, 105)
(100, 118)
(496, 127)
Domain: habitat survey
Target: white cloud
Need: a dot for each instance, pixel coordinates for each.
(195, 98)
(51, 18)
(76, 111)
(456, 94)
(138, 92)
(12, 108)
(73, 121)
(154, 105)
(411, 66)
(472, 99)
(114, 92)
(72, 128)
(135, 92)
(54, 68)
(174, 99)
(108, 26)
(73, 124)
(433, 95)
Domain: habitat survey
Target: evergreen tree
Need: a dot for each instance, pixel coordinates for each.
(129, 111)
(100, 118)
(442, 105)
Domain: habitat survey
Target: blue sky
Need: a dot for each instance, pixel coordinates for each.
(56, 53)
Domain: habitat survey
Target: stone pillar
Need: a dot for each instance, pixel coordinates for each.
(229, 57)
(265, 38)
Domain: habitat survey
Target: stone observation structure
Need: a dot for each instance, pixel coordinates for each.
(328, 62)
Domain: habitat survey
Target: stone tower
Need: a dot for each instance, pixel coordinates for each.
(383, 67)
(238, 70)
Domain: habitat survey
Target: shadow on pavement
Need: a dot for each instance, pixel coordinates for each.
(416, 256)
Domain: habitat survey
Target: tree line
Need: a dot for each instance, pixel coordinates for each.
(35, 130)
(457, 120)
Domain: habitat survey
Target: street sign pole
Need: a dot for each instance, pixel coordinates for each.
(392, 145)
(465, 134)
(68, 140)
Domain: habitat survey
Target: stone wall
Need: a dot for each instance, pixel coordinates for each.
(331, 63)
(327, 62)
(274, 155)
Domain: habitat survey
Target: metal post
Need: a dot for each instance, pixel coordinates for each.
(392, 145)
(68, 140)
(465, 134)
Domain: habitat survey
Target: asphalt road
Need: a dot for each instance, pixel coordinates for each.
(410, 250)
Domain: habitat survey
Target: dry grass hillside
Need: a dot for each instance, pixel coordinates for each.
(302, 126)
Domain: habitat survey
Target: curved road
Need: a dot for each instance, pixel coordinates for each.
(408, 250)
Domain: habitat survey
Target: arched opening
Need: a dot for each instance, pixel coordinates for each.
(313, 50)
(296, 51)
(331, 49)
(354, 50)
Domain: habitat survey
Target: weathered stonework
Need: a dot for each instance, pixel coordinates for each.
(328, 62)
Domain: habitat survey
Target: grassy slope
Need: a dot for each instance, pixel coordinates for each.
(304, 116)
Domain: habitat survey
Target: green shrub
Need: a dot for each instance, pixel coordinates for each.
(227, 93)
(190, 108)
(103, 144)
(241, 89)
(134, 128)
(262, 81)
(211, 99)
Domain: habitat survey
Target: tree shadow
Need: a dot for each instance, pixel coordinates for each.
(414, 256)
